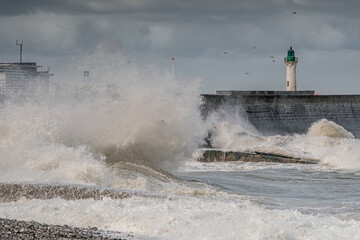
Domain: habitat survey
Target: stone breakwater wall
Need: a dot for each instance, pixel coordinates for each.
(285, 114)
(216, 155)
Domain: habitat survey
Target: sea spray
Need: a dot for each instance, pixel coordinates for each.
(325, 141)
(329, 129)
(87, 126)
(233, 136)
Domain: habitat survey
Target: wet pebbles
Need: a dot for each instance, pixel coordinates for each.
(14, 229)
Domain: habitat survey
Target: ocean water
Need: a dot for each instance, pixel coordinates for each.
(136, 130)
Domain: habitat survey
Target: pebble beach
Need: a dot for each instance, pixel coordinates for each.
(14, 229)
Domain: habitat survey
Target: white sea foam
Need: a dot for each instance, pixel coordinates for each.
(328, 129)
(102, 130)
(184, 218)
(325, 140)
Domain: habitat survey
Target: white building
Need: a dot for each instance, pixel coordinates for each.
(23, 79)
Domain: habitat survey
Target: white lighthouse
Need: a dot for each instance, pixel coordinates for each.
(291, 62)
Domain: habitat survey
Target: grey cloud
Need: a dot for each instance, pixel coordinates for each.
(183, 7)
(195, 31)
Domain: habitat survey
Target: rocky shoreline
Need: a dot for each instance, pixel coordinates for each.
(14, 229)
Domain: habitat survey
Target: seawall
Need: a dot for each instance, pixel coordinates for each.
(285, 113)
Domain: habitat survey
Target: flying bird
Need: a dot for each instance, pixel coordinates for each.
(293, 12)
(226, 52)
(273, 61)
(272, 56)
(247, 73)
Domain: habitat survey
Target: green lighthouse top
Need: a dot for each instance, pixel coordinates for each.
(291, 56)
(291, 52)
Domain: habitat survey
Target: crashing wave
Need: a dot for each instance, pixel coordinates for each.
(326, 128)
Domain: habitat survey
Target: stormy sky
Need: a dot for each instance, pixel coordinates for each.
(229, 44)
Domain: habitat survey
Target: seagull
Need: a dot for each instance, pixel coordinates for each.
(272, 56)
(254, 47)
(247, 73)
(273, 61)
(226, 52)
(293, 12)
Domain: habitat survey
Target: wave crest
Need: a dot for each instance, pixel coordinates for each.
(326, 128)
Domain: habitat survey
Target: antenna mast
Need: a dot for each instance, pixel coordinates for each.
(173, 69)
(20, 44)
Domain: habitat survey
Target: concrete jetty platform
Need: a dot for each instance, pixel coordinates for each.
(281, 112)
(217, 155)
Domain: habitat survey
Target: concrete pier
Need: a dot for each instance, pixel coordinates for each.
(217, 155)
(273, 112)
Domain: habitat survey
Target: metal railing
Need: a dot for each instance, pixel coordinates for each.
(290, 59)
